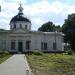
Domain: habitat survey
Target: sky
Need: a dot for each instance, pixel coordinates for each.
(38, 11)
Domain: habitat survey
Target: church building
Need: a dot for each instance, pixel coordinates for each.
(20, 37)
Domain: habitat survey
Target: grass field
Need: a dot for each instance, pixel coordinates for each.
(51, 64)
(4, 57)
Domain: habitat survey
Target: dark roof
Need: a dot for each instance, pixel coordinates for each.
(20, 17)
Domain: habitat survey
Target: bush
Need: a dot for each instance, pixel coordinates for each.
(69, 52)
(37, 53)
(6, 53)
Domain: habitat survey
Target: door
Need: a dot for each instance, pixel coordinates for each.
(20, 46)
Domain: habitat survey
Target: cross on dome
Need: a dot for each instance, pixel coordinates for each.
(20, 8)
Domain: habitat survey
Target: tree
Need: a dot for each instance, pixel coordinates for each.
(47, 27)
(50, 27)
(2, 29)
(58, 28)
(68, 29)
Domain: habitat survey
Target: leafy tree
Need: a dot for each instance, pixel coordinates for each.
(1, 29)
(47, 27)
(69, 29)
(58, 28)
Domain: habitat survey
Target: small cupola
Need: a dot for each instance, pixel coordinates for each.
(20, 9)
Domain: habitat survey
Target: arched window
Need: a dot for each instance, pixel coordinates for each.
(26, 27)
(14, 25)
(20, 25)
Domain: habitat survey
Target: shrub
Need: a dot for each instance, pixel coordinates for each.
(6, 53)
(69, 52)
(37, 53)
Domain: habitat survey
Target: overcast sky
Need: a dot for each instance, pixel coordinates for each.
(38, 11)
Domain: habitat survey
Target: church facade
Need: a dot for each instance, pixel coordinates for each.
(20, 38)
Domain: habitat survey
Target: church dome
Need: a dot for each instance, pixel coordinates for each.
(20, 21)
(19, 17)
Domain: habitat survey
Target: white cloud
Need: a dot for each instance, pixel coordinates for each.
(38, 12)
(37, 8)
(38, 22)
(45, 7)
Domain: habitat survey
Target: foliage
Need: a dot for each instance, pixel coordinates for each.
(58, 28)
(48, 64)
(4, 56)
(68, 29)
(37, 52)
(2, 30)
(69, 52)
(49, 27)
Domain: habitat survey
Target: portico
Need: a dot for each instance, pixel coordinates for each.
(20, 45)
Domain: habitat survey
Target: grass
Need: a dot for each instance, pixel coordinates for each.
(51, 64)
(4, 57)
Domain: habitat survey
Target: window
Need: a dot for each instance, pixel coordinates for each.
(26, 27)
(54, 46)
(28, 45)
(20, 45)
(14, 25)
(20, 25)
(12, 45)
(43, 45)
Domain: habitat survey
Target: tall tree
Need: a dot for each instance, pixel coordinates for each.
(69, 29)
(47, 27)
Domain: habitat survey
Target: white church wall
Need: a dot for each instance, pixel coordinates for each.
(34, 42)
(35, 38)
(3, 42)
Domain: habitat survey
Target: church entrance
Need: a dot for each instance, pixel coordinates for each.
(20, 46)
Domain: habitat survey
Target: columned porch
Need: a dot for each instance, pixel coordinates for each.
(20, 46)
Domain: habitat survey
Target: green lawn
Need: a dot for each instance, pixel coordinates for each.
(51, 64)
(4, 57)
